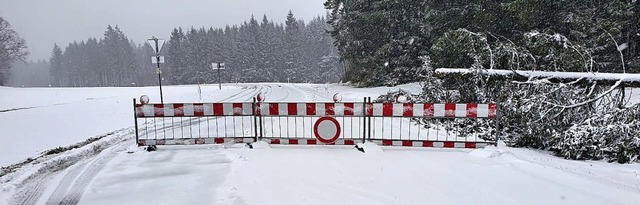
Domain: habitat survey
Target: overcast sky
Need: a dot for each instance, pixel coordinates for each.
(45, 22)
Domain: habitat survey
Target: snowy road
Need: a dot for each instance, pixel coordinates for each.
(113, 170)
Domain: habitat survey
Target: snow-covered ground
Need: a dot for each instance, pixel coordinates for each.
(112, 170)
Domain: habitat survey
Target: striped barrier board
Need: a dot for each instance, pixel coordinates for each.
(435, 144)
(399, 143)
(192, 141)
(446, 110)
(194, 109)
(293, 141)
(290, 141)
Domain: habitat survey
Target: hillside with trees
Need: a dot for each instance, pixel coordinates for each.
(382, 40)
(391, 42)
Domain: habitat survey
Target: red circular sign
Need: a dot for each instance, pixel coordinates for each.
(326, 129)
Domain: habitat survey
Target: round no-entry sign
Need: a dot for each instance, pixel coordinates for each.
(326, 129)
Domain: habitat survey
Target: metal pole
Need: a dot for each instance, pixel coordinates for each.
(260, 127)
(255, 118)
(364, 120)
(219, 82)
(135, 119)
(369, 127)
(497, 123)
(159, 71)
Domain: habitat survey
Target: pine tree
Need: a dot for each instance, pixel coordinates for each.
(119, 58)
(57, 72)
(292, 48)
(175, 70)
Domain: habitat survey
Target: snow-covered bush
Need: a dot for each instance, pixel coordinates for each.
(572, 118)
(613, 136)
(391, 97)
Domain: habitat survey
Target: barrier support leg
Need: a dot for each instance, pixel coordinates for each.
(135, 119)
(364, 119)
(255, 120)
(497, 124)
(369, 125)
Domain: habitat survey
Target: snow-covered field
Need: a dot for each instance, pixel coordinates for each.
(113, 170)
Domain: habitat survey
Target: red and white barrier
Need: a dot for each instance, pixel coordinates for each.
(448, 110)
(291, 141)
(192, 141)
(435, 144)
(262, 121)
(194, 109)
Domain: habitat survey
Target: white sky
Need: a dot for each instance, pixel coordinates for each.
(45, 22)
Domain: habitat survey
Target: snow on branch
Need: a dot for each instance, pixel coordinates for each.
(626, 79)
(590, 100)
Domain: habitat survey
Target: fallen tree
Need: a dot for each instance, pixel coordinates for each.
(575, 115)
(624, 79)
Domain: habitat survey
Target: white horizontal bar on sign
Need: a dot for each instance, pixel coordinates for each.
(187, 109)
(377, 109)
(398, 109)
(438, 144)
(301, 109)
(358, 109)
(207, 109)
(247, 108)
(227, 109)
(438, 110)
(264, 108)
(461, 110)
(339, 109)
(168, 110)
(483, 110)
(320, 109)
(147, 110)
(418, 110)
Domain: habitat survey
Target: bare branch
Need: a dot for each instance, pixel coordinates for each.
(590, 100)
(624, 69)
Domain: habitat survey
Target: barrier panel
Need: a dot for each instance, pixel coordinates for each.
(311, 123)
(194, 123)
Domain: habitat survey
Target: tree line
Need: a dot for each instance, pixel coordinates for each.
(253, 51)
(113, 60)
(382, 40)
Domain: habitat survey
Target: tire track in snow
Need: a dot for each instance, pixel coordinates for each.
(60, 191)
(76, 182)
(30, 189)
(34, 191)
(270, 89)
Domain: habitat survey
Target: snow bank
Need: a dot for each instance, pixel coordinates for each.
(261, 145)
(487, 152)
